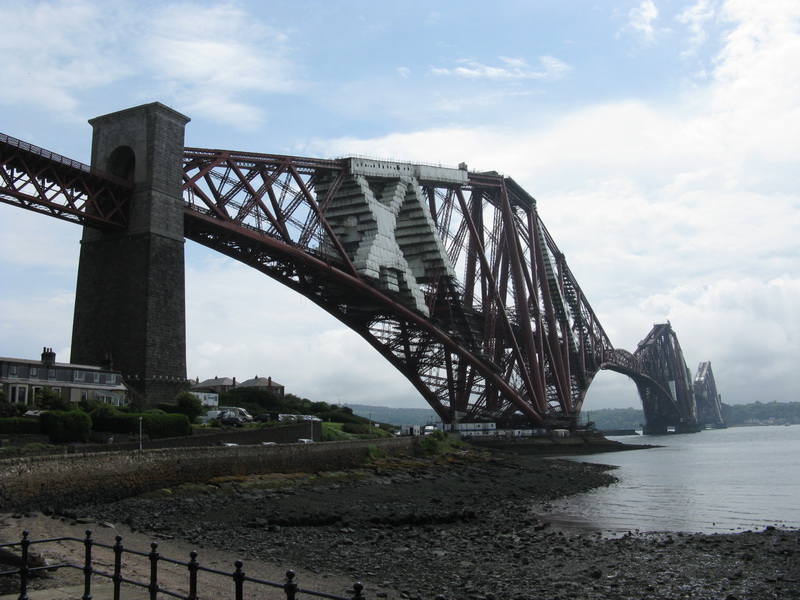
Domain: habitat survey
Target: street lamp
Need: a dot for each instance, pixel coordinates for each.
(140, 432)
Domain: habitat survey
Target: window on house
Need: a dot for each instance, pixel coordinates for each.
(19, 394)
(96, 377)
(13, 370)
(51, 373)
(78, 375)
(34, 371)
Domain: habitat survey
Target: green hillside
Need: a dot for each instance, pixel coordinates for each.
(395, 416)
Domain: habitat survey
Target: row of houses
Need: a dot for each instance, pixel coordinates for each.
(209, 390)
(22, 380)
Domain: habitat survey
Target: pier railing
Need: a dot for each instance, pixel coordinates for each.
(27, 568)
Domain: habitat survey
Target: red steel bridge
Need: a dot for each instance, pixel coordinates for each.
(450, 274)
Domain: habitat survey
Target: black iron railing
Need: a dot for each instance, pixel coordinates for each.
(238, 577)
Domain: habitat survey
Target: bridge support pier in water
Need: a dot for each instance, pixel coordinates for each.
(130, 298)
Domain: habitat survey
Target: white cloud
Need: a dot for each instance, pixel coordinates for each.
(642, 22)
(695, 18)
(510, 69)
(215, 60)
(54, 51)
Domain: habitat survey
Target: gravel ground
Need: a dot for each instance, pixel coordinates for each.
(470, 525)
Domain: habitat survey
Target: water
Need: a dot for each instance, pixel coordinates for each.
(725, 480)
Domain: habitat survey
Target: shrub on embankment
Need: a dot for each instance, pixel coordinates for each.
(73, 480)
(65, 427)
(154, 425)
(19, 426)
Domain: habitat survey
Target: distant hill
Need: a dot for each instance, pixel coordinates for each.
(614, 418)
(605, 418)
(395, 416)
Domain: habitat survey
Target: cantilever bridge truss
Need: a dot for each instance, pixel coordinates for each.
(450, 274)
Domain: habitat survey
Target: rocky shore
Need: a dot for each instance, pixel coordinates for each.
(471, 525)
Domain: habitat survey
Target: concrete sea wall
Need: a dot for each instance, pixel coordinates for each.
(63, 481)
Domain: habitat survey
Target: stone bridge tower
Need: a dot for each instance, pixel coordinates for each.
(130, 298)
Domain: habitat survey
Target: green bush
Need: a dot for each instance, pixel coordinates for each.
(20, 425)
(155, 425)
(103, 417)
(435, 443)
(375, 453)
(7, 410)
(158, 426)
(339, 416)
(357, 428)
(185, 404)
(66, 426)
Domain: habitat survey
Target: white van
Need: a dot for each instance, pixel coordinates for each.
(239, 412)
(210, 416)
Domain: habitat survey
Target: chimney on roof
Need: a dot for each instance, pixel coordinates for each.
(48, 356)
(234, 382)
(269, 382)
(108, 361)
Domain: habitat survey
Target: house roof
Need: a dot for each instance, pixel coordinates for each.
(215, 382)
(264, 382)
(58, 365)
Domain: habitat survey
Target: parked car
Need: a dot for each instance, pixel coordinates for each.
(305, 441)
(231, 419)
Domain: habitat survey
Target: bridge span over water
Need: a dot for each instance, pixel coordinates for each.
(449, 273)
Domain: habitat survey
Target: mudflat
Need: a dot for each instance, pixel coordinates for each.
(471, 525)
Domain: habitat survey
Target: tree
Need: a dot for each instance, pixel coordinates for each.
(47, 399)
(190, 405)
(6, 409)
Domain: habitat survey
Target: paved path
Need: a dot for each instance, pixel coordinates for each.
(100, 591)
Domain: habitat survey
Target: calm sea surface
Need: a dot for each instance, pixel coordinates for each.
(714, 481)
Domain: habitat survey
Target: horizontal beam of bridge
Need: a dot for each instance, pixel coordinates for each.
(45, 182)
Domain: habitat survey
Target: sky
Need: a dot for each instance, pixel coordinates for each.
(661, 140)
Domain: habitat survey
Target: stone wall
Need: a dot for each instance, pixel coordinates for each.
(73, 480)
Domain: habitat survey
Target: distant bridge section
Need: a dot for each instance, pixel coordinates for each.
(709, 402)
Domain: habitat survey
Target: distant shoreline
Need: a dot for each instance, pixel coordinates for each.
(594, 444)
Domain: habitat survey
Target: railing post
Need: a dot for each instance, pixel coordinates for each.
(87, 566)
(358, 587)
(153, 587)
(238, 579)
(193, 568)
(117, 577)
(23, 570)
(290, 587)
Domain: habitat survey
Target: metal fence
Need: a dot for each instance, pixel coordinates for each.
(238, 577)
